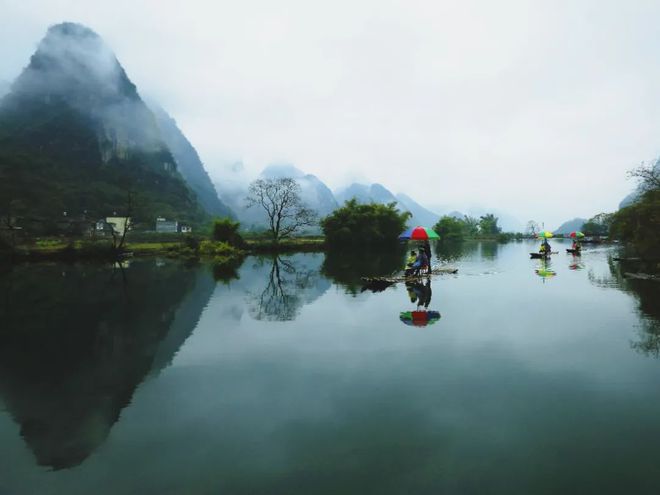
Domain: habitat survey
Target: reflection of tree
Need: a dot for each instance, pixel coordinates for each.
(447, 251)
(226, 271)
(646, 294)
(348, 268)
(76, 341)
(287, 285)
(489, 249)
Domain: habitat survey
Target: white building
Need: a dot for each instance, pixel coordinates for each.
(118, 224)
(166, 226)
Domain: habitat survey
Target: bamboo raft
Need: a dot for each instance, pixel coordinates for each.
(413, 278)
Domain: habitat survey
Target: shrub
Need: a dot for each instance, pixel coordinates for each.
(450, 228)
(191, 242)
(226, 230)
(212, 248)
(370, 225)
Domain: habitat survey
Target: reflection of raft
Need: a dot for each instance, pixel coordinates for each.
(413, 278)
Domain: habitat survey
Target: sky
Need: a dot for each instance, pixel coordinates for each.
(533, 108)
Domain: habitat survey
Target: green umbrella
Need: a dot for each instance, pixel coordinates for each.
(576, 235)
(544, 234)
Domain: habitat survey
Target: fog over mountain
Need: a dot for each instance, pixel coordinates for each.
(377, 193)
(4, 88)
(233, 189)
(76, 137)
(472, 97)
(314, 192)
(570, 226)
(73, 65)
(420, 215)
(189, 164)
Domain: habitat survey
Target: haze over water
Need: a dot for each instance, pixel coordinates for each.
(285, 378)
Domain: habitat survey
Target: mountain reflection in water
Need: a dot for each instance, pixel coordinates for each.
(283, 376)
(77, 340)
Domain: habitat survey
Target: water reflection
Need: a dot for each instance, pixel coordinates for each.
(451, 251)
(77, 340)
(645, 293)
(544, 269)
(348, 268)
(420, 294)
(284, 284)
(576, 264)
(343, 399)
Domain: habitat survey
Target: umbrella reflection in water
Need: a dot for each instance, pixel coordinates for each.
(419, 318)
(420, 294)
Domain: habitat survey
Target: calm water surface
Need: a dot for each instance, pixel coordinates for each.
(285, 378)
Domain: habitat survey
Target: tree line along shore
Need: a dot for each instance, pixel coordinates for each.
(292, 227)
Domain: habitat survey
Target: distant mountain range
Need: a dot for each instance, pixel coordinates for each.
(234, 189)
(570, 226)
(316, 194)
(189, 164)
(313, 191)
(377, 193)
(76, 137)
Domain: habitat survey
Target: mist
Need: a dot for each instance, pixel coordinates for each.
(533, 110)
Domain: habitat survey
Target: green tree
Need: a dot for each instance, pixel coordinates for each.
(471, 226)
(356, 224)
(639, 223)
(488, 225)
(450, 228)
(532, 228)
(598, 225)
(226, 230)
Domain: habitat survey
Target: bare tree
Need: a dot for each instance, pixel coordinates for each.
(648, 175)
(532, 228)
(118, 241)
(9, 224)
(280, 199)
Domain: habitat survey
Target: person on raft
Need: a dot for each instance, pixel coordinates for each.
(545, 247)
(427, 251)
(576, 245)
(420, 263)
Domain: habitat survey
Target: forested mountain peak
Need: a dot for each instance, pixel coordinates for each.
(76, 137)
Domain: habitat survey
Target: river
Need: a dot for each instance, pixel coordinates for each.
(285, 377)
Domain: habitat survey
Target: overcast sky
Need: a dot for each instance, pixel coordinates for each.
(536, 108)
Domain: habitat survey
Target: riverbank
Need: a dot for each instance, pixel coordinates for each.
(187, 247)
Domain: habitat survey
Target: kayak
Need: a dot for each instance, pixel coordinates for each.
(538, 256)
(576, 252)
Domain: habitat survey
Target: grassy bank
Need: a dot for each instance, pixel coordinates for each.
(66, 250)
(185, 247)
